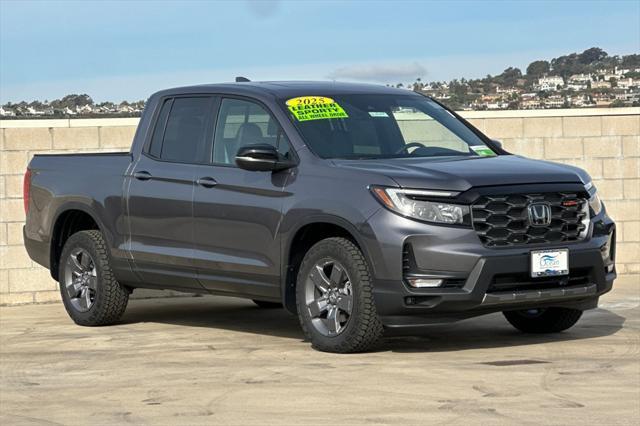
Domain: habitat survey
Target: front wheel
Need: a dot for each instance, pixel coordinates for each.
(89, 290)
(544, 320)
(335, 300)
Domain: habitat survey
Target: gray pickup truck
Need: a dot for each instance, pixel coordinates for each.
(359, 208)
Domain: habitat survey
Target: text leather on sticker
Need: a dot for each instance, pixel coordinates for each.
(483, 150)
(305, 108)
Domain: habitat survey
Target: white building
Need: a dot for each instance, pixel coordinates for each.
(578, 85)
(625, 83)
(580, 78)
(549, 83)
(33, 111)
(554, 101)
(85, 109)
(6, 112)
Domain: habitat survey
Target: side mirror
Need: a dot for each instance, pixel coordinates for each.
(261, 158)
(497, 143)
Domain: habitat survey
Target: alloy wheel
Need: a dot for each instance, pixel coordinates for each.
(80, 279)
(329, 297)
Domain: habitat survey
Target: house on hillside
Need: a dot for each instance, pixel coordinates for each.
(621, 71)
(84, 109)
(578, 85)
(7, 112)
(32, 111)
(508, 90)
(584, 78)
(549, 83)
(608, 76)
(581, 101)
(603, 100)
(554, 101)
(627, 83)
(600, 85)
(530, 101)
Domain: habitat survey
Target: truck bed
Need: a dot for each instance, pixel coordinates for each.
(88, 182)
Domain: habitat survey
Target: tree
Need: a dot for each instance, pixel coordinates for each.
(538, 68)
(417, 85)
(631, 60)
(589, 56)
(509, 76)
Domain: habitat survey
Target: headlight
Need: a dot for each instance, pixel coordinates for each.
(412, 203)
(595, 204)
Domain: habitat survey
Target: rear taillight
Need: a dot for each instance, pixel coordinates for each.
(26, 189)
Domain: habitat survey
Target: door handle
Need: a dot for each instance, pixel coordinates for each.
(207, 182)
(142, 175)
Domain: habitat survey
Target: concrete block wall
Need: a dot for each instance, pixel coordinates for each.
(22, 280)
(605, 142)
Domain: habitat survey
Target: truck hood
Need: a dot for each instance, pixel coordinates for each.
(460, 174)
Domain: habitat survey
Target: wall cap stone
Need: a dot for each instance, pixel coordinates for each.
(533, 113)
(529, 113)
(73, 122)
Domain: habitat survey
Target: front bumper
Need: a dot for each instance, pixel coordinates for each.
(478, 280)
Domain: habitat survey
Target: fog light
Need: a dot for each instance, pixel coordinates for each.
(424, 282)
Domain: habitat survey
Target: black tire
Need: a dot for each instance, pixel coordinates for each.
(267, 305)
(363, 328)
(110, 298)
(547, 320)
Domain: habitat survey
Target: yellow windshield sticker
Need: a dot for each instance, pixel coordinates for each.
(483, 150)
(305, 108)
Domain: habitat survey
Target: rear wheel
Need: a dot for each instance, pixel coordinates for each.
(267, 305)
(335, 300)
(544, 320)
(90, 292)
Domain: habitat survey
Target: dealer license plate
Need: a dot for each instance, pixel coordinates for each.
(548, 263)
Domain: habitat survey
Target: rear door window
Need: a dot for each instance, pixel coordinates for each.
(182, 126)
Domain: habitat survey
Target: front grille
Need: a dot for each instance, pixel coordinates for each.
(503, 220)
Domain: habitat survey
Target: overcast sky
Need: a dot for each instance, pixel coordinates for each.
(115, 50)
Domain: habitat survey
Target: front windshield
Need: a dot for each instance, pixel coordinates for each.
(381, 126)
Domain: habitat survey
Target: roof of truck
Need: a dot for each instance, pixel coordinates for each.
(289, 88)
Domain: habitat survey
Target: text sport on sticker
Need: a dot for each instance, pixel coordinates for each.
(305, 108)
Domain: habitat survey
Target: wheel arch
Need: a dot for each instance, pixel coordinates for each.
(69, 219)
(302, 238)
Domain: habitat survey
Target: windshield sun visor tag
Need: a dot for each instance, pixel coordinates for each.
(483, 150)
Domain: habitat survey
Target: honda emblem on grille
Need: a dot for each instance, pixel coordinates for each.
(539, 214)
